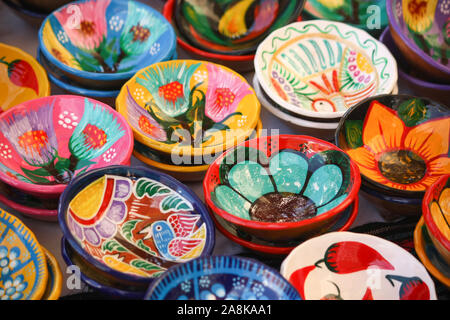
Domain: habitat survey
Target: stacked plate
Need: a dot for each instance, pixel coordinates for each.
(92, 48)
(310, 73)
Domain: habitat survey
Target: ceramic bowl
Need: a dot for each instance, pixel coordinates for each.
(325, 268)
(45, 142)
(102, 44)
(282, 187)
(187, 108)
(221, 278)
(133, 223)
(420, 31)
(318, 69)
(399, 142)
(439, 92)
(22, 78)
(55, 278)
(436, 214)
(23, 266)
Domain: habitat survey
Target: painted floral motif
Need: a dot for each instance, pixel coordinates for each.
(5, 151)
(13, 288)
(68, 120)
(116, 23)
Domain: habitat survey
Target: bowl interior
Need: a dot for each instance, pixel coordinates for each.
(399, 142)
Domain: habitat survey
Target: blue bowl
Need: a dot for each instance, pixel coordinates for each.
(221, 277)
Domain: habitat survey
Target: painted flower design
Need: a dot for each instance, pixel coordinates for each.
(419, 14)
(8, 260)
(13, 288)
(5, 151)
(110, 155)
(440, 212)
(68, 120)
(116, 23)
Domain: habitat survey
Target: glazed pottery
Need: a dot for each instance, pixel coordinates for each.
(283, 187)
(436, 214)
(430, 257)
(23, 267)
(399, 142)
(55, 278)
(189, 108)
(356, 266)
(102, 44)
(133, 223)
(22, 78)
(221, 278)
(318, 69)
(420, 31)
(45, 142)
(414, 79)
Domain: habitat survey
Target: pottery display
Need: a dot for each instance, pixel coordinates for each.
(221, 278)
(325, 268)
(55, 278)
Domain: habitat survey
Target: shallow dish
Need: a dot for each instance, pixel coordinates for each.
(45, 142)
(221, 278)
(22, 78)
(55, 278)
(399, 142)
(133, 223)
(23, 267)
(325, 268)
(320, 68)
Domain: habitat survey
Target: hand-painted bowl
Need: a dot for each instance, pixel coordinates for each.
(23, 266)
(133, 223)
(45, 142)
(221, 278)
(415, 80)
(318, 68)
(22, 78)
(355, 266)
(282, 187)
(436, 214)
(42, 6)
(189, 108)
(420, 30)
(102, 44)
(55, 278)
(400, 143)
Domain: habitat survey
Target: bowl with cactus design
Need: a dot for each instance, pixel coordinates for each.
(281, 188)
(46, 142)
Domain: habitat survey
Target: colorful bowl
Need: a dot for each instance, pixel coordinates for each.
(102, 44)
(23, 266)
(318, 68)
(325, 268)
(436, 214)
(133, 223)
(55, 278)
(399, 142)
(420, 31)
(45, 142)
(221, 278)
(22, 78)
(282, 187)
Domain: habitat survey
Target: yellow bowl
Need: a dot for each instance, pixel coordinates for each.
(55, 278)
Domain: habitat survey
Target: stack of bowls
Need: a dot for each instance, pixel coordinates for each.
(270, 194)
(309, 73)
(47, 141)
(228, 32)
(125, 226)
(184, 113)
(401, 145)
(92, 48)
(28, 270)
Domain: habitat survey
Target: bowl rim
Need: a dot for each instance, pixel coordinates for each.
(36, 213)
(101, 76)
(270, 226)
(58, 188)
(412, 46)
(354, 30)
(426, 213)
(369, 183)
(55, 275)
(81, 182)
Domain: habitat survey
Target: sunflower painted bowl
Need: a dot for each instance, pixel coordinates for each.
(222, 278)
(325, 268)
(133, 223)
(102, 44)
(23, 269)
(22, 78)
(55, 278)
(45, 142)
(318, 69)
(282, 187)
(420, 30)
(400, 143)
(436, 214)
